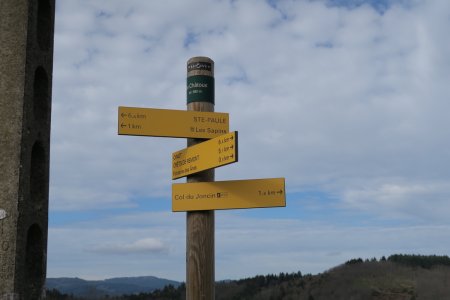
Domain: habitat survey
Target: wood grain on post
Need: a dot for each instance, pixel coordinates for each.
(200, 277)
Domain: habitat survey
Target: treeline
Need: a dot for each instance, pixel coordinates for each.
(422, 261)
(232, 289)
(410, 260)
(167, 293)
(410, 277)
(54, 294)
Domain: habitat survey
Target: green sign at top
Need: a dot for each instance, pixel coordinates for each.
(200, 88)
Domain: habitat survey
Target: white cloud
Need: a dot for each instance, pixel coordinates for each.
(98, 249)
(403, 200)
(244, 246)
(142, 246)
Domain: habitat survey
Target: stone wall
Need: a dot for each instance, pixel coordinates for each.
(26, 62)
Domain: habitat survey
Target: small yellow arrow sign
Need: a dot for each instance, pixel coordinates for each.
(232, 194)
(171, 123)
(216, 152)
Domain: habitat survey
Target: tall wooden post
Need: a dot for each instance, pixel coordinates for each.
(200, 225)
(26, 62)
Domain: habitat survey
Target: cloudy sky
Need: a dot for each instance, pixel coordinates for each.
(346, 99)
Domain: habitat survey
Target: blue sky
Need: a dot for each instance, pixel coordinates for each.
(348, 100)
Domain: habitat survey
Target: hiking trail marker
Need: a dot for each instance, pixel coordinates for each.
(210, 145)
(231, 194)
(216, 152)
(171, 123)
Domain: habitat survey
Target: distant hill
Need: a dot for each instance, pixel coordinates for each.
(94, 289)
(399, 277)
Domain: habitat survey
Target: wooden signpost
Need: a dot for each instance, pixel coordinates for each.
(210, 145)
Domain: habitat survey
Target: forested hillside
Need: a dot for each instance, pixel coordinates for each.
(402, 277)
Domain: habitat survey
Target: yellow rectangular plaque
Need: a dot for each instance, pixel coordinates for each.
(231, 194)
(171, 123)
(213, 153)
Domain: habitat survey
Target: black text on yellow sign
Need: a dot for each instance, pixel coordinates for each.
(216, 152)
(171, 123)
(233, 194)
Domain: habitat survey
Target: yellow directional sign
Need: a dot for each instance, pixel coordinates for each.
(228, 194)
(171, 123)
(212, 153)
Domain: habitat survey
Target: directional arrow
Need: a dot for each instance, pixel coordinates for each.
(172, 123)
(206, 155)
(228, 194)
